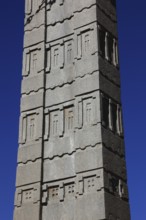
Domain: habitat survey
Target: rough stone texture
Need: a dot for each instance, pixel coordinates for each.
(71, 156)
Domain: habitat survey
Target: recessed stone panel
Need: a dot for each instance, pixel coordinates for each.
(32, 101)
(59, 147)
(29, 173)
(34, 37)
(30, 152)
(88, 159)
(32, 84)
(59, 168)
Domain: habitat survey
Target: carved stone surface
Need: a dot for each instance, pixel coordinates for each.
(71, 156)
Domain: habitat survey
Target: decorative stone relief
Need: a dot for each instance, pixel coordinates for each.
(69, 53)
(86, 43)
(108, 47)
(27, 194)
(30, 124)
(70, 190)
(74, 187)
(90, 184)
(63, 77)
(31, 127)
(53, 193)
(84, 39)
(111, 114)
(59, 54)
(117, 186)
(33, 61)
(59, 121)
(69, 118)
(62, 53)
(86, 111)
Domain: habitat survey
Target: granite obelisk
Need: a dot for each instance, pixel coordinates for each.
(71, 158)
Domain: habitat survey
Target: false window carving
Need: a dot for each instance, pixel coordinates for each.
(70, 189)
(102, 35)
(31, 62)
(86, 44)
(117, 186)
(54, 123)
(119, 121)
(105, 111)
(87, 111)
(115, 53)
(27, 64)
(68, 52)
(114, 185)
(55, 57)
(89, 184)
(121, 189)
(69, 118)
(113, 108)
(31, 126)
(111, 115)
(53, 192)
(27, 196)
(108, 47)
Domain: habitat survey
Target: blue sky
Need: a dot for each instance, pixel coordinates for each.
(132, 42)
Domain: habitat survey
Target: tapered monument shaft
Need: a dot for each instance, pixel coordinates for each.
(71, 158)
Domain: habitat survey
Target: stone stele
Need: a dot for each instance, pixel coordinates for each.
(71, 157)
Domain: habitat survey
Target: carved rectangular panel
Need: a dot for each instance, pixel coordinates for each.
(69, 118)
(27, 196)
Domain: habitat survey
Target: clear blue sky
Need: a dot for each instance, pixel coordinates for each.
(132, 42)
